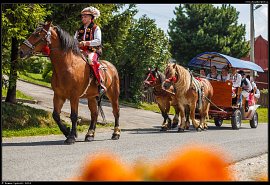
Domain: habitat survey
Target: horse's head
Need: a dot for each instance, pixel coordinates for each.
(152, 78)
(171, 75)
(36, 42)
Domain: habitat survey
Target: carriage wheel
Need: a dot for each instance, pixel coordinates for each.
(254, 121)
(236, 119)
(218, 122)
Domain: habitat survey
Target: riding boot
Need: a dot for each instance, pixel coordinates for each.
(101, 88)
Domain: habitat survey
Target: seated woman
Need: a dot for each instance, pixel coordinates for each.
(255, 91)
(236, 79)
(213, 74)
(225, 75)
(202, 73)
(246, 88)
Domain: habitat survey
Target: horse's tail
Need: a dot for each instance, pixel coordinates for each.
(101, 110)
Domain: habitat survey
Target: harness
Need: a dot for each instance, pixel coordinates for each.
(197, 88)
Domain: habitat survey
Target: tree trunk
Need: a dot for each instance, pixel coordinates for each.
(11, 93)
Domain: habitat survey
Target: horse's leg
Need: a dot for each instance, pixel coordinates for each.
(182, 114)
(187, 113)
(92, 104)
(192, 115)
(113, 95)
(168, 106)
(207, 115)
(163, 113)
(57, 106)
(176, 117)
(202, 117)
(74, 103)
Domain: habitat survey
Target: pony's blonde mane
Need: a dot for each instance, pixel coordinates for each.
(183, 83)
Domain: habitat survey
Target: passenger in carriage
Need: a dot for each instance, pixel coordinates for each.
(236, 83)
(254, 90)
(235, 78)
(225, 75)
(213, 74)
(202, 73)
(246, 88)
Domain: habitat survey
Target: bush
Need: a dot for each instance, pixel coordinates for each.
(35, 64)
(47, 72)
(264, 91)
(48, 77)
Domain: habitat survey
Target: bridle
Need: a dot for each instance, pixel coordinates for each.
(152, 81)
(172, 79)
(46, 39)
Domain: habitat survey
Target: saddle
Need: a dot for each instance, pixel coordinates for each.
(103, 74)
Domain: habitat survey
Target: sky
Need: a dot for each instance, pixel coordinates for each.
(162, 13)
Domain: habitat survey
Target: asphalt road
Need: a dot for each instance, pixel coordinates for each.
(47, 158)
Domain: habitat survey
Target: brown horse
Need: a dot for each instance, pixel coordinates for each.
(72, 79)
(154, 79)
(187, 88)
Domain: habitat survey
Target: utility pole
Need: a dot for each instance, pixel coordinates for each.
(252, 36)
(252, 32)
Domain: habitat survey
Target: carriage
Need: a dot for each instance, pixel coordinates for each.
(222, 106)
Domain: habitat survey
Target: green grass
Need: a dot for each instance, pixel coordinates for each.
(19, 94)
(154, 107)
(262, 112)
(34, 78)
(21, 120)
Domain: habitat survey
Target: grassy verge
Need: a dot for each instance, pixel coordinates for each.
(19, 94)
(22, 120)
(262, 112)
(34, 78)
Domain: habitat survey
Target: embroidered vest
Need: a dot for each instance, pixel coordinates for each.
(89, 32)
(89, 35)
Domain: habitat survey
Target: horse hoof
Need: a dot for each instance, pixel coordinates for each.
(174, 125)
(187, 128)
(198, 129)
(67, 132)
(163, 129)
(89, 138)
(181, 130)
(70, 140)
(115, 136)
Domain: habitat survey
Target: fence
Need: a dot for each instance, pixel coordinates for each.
(149, 97)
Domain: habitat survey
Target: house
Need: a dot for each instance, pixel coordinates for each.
(261, 59)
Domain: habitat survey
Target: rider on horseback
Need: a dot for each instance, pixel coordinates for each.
(89, 37)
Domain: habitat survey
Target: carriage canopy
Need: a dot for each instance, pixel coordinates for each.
(208, 59)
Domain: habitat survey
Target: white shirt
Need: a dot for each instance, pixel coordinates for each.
(97, 37)
(224, 78)
(253, 84)
(214, 77)
(247, 87)
(236, 80)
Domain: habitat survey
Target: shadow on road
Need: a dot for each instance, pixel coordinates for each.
(156, 130)
(44, 143)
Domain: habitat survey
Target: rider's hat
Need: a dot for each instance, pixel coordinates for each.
(91, 11)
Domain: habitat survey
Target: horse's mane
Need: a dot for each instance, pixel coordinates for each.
(184, 79)
(162, 76)
(67, 41)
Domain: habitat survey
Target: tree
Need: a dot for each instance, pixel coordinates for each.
(67, 16)
(145, 46)
(18, 20)
(202, 27)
